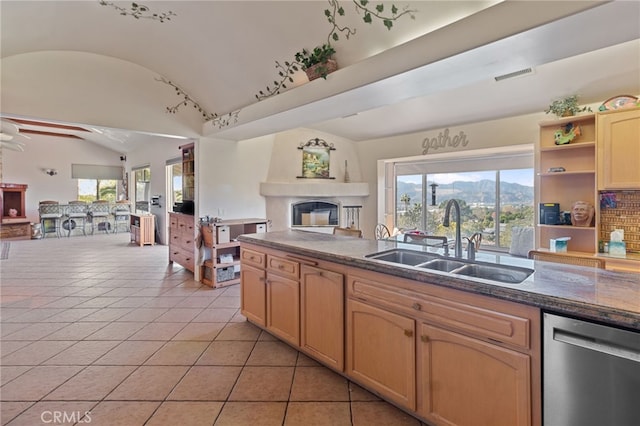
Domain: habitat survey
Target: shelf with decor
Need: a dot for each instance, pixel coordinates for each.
(15, 224)
(188, 172)
(575, 157)
(222, 268)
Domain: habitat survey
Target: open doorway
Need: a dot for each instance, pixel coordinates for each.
(174, 185)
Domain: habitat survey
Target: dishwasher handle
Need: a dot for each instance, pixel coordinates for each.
(597, 345)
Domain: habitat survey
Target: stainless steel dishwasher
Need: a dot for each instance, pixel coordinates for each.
(591, 374)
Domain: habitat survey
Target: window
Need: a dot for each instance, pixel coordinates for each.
(90, 190)
(495, 193)
(97, 182)
(142, 193)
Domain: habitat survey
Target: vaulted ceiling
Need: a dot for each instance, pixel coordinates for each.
(433, 71)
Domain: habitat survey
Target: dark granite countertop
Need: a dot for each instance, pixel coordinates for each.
(605, 296)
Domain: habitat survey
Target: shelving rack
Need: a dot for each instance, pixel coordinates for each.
(576, 183)
(221, 241)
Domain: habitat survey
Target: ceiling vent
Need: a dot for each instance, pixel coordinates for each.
(514, 74)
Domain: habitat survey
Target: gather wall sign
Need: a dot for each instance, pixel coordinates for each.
(444, 139)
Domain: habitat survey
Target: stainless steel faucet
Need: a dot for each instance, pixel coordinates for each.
(445, 222)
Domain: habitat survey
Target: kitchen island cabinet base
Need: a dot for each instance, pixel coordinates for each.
(403, 340)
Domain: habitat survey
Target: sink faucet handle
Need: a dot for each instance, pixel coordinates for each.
(471, 249)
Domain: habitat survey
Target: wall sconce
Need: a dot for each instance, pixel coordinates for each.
(51, 172)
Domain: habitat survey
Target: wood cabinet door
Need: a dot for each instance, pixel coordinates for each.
(322, 315)
(464, 381)
(253, 300)
(283, 308)
(381, 352)
(619, 150)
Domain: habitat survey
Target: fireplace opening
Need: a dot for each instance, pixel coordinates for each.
(315, 213)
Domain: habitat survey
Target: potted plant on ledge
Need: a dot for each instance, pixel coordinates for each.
(566, 107)
(317, 63)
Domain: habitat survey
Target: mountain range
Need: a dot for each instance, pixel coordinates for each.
(480, 192)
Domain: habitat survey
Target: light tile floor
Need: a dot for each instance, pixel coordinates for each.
(97, 330)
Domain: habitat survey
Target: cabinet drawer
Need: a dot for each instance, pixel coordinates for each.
(252, 258)
(187, 242)
(483, 320)
(622, 265)
(173, 222)
(182, 257)
(283, 267)
(185, 224)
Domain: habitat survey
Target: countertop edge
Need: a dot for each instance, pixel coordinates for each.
(562, 305)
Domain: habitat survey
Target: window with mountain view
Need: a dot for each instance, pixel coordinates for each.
(492, 202)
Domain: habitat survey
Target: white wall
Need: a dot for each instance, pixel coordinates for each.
(286, 158)
(46, 152)
(229, 175)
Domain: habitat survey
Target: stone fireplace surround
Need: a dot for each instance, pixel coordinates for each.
(282, 186)
(281, 195)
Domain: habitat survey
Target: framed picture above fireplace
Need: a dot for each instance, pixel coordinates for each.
(316, 159)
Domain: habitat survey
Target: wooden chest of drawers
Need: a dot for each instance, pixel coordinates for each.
(182, 240)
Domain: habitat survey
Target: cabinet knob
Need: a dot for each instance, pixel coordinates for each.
(417, 306)
(424, 338)
(280, 266)
(408, 333)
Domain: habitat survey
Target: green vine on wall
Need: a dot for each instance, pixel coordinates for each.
(369, 13)
(286, 69)
(219, 121)
(139, 11)
(285, 72)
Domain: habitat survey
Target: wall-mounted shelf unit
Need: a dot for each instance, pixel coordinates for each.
(14, 217)
(188, 172)
(576, 183)
(221, 241)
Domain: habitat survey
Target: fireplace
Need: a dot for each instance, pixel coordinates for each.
(315, 213)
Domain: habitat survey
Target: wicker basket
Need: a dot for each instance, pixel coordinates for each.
(225, 274)
(321, 69)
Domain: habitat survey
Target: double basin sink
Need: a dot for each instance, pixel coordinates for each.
(488, 271)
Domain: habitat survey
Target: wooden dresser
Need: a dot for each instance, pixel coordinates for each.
(182, 240)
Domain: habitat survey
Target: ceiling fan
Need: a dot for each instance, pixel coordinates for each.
(9, 134)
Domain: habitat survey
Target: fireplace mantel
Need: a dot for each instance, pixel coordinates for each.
(314, 189)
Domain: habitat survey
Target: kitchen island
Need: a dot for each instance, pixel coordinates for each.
(447, 349)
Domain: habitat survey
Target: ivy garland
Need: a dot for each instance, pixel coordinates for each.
(217, 120)
(139, 11)
(285, 69)
(288, 68)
